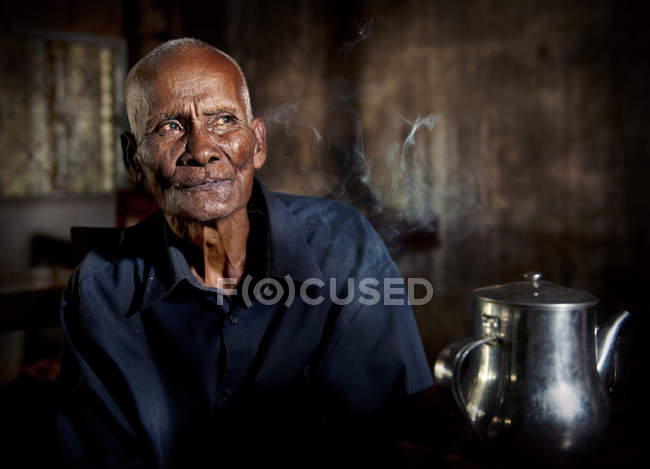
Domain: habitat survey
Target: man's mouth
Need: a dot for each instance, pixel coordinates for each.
(202, 184)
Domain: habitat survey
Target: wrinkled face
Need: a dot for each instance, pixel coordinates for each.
(196, 148)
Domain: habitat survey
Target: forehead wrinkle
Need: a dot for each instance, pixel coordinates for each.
(207, 104)
(225, 80)
(174, 98)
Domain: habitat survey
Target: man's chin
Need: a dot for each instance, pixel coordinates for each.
(205, 213)
(201, 205)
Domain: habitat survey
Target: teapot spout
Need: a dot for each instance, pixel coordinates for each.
(605, 339)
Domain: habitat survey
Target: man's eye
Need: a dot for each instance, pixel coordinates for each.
(171, 126)
(224, 120)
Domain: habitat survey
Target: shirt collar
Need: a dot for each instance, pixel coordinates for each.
(290, 253)
(275, 239)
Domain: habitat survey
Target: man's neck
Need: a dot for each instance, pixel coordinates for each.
(221, 259)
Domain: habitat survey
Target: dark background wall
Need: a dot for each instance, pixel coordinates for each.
(482, 138)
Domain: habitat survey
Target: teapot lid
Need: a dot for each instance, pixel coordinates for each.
(533, 291)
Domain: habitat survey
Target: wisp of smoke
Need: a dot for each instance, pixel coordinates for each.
(363, 33)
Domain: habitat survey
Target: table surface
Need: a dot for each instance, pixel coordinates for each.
(34, 280)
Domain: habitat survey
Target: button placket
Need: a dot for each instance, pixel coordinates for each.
(237, 354)
(226, 394)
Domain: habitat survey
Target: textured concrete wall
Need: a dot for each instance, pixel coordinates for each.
(523, 171)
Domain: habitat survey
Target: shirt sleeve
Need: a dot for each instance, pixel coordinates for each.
(373, 368)
(377, 356)
(93, 431)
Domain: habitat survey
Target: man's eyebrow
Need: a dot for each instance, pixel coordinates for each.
(209, 111)
(219, 109)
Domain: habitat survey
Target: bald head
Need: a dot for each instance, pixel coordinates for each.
(145, 71)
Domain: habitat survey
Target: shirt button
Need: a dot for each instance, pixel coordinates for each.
(233, 318)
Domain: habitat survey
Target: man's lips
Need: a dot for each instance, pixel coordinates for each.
(202, 184)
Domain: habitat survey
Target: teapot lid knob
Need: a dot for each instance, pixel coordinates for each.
(533, 276)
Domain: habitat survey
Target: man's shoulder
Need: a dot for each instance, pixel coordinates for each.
(326, 214)
(106, 249)
(339, 235)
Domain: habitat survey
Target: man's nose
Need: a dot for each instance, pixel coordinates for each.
(201, 148)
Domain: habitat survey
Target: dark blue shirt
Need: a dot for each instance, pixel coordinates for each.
(159, 370)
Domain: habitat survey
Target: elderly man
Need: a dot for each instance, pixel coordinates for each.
(174, 357)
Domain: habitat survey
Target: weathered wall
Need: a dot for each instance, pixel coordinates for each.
(527, 166)
(21, 220)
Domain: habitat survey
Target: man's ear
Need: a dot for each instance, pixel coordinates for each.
(259, 152)
(129, 151)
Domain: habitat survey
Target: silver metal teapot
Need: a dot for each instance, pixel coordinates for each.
(536, 371)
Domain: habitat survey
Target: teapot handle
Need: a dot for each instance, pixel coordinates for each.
(449, 364)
